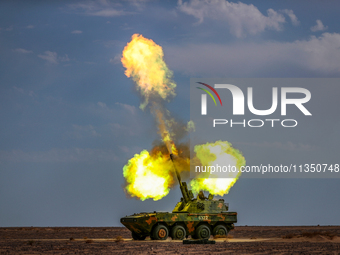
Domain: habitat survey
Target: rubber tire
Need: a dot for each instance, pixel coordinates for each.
(136, 236)
(156, 232)
(202, 232)
(178, 233)
(220, 230)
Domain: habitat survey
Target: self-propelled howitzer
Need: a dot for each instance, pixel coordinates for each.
(199, 217)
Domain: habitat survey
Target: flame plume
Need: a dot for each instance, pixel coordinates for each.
(143, 60)
(150, 175)
(212, 154)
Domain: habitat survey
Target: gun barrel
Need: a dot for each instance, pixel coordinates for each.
(182, 185)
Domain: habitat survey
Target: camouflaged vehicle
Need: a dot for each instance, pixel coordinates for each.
(199, 217)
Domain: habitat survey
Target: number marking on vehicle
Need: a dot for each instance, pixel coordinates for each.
(203, 217)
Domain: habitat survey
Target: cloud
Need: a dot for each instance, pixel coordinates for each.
(107, 13)
(101, 104)
(278, 145)
(32, 94)
(64, 58)
(102, 8)
(30, 27)
(121, 120)
(59, 155)
(318, 27)
(20, 50)
(318, 54)
(112, 113)
(241, 18)
(53, 58)
(122, 130)
(77, 32)
(127, 107)
(20, 90)
(80, 132)
(10, 28)
(130, 108)
(116, 59)
(139, 4)
(292, 17)
(49, 56)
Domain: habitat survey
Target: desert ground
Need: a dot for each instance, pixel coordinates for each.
(117, 240)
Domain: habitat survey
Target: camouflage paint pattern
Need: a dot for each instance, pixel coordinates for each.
(190, 212)
(189, 215)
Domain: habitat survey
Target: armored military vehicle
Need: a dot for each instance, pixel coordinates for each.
(199, 217)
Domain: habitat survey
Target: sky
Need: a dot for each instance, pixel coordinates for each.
(70, 118)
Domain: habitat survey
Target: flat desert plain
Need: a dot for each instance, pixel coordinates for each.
(117, 240)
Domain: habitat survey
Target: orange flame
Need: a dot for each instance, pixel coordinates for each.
(148, 176)
(212, 154)
(143, 60)
(151, 175)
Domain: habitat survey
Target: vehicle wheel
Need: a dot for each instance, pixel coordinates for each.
(220, 230)
(178, 232)
(136, 236)
(160, 232)
(202, 232)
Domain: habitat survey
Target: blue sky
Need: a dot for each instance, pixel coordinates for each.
(70, 118)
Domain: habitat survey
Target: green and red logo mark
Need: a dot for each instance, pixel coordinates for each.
(208, 92)
(204, 97)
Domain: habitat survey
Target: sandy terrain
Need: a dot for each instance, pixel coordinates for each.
(244, 240)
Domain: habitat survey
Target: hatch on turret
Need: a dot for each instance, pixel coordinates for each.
(201, 204)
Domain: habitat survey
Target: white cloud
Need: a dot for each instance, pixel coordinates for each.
(139, 4)
(77, 32)
(64, 58)
(53, 58)
(20, 90)
(20, 50)
(123, 120)
(59, 155)
(101, 104)
(49, 56)
(130, 108)
(109, 12)
(10, 28)
(116, 59)
(292, 17)
(101, 109)
(32, 94)
(84, 131)
(127, 107)
(318, 27)
(241, 18)
(318, 54)
(102, 8)
(278, 145)
(123, 130)
(124, 148)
